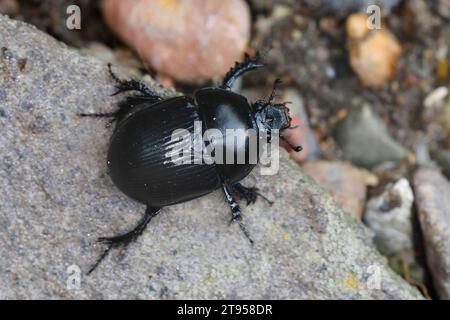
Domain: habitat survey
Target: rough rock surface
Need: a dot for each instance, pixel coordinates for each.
(57, 199)
(433, 203)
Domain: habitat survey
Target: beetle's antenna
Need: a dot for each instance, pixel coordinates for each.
(296, 148)
(274, 90)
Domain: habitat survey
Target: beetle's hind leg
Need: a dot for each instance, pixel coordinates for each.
(249, 194)
(112, 115)
(235, 211)
(126, 238)
(125, 106)
(133, 85)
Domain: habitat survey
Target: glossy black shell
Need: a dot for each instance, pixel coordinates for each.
(139, 156)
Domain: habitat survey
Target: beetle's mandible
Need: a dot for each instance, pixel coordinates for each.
(139, 149)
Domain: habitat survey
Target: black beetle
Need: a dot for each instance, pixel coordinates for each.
(140, 147)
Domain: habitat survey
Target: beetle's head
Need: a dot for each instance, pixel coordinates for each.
(273, 116)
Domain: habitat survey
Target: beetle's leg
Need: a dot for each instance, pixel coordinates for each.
(240, 68)
(98, 115)
(235, 211)
(249, 194)
(126, 238)
(125, 107)
(133, 85)
(112, 115)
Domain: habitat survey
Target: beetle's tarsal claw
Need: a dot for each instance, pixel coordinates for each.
(104, 240)
(98, 115)
(270, 202)
(99, 260)
(125, 239)
(245, 231)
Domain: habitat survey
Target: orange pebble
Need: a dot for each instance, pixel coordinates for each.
(190, 41)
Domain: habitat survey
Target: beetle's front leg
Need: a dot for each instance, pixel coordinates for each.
(240, 68)
(235, 211)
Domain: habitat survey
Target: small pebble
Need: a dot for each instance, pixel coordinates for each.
(389, 216)
(347, 183)
(365, 139)
(443, 8)
(436, 97)
(189, 41)
(432, 191)
(302, 134)
(373, 55)
(9, 7)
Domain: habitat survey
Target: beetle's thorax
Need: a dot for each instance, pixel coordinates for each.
(226, 111)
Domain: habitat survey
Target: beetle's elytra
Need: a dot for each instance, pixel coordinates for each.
(139, 153)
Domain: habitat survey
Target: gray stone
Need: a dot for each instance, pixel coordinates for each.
(444, 8)
(297, 108)
(442, 158)
(389, 216)
(364, 138)
(57, 199)
(433, 202)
